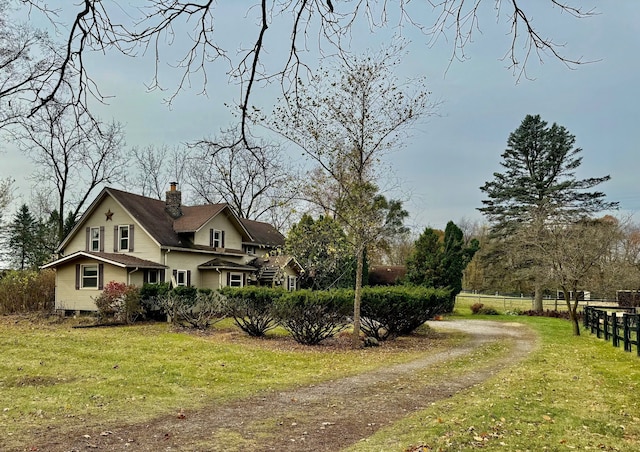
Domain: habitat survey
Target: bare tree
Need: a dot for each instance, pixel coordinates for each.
(256, 182)
(28, 65)
(345, 121)
(154, 25)
(155, 167)
(74, 155)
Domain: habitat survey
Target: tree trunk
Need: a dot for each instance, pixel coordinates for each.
(358, 297)
(537, 298)
(573, 311)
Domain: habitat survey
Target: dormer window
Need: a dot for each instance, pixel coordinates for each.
(216, 238)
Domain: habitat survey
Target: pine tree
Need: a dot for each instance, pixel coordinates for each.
(22, 238)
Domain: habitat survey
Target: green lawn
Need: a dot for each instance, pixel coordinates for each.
(573, 393)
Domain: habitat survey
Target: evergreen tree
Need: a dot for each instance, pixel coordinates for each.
(439, 259)
(22, 238)
(538, 189)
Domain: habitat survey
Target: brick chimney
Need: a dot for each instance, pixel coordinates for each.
(174, 201)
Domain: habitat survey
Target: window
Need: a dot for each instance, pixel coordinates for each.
(152, 277)
(292, 283)
(89, 276)
(123, 238)
(235, 279)
(95, 239)
(181, 278)
(249, 249)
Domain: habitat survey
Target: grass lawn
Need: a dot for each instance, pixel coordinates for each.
(53, 375)
(573, 393)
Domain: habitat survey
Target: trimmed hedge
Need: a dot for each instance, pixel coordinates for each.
(389, 312)
(312, 316)
(252, 308)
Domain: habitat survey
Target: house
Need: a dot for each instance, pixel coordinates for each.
(134, 239)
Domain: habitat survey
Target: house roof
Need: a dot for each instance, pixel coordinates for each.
(119, 260)
(195, 217)
(151, 215)
(263, 233)
(386, 275)
(280, 262)
(218, 263)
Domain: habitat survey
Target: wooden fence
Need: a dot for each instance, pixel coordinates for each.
(614, 323)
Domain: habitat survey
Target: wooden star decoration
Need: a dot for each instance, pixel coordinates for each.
(109, 215)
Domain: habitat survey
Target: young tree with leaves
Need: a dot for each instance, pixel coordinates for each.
(323, 250)
(345, 121)
(538, 189)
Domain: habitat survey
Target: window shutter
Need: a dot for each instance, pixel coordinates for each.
(77, 276)
(130, 237)
(228, 279)
(145, 277)
(211, 237)
(115, 239)
(188, 278)
(100, 276)
(222, 239)
(244, 279)
(88, 231)
(175, 277)
(102, 239)
(162, 275)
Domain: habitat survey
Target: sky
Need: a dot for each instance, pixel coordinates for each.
(447, 157)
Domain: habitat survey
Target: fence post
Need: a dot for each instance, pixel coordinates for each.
(637, 334)
(625, 324)
(614, 320)
(606, 326)
(585, 320)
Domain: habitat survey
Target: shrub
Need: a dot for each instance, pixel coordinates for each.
(312, 316)
(198, 309)
(150, 299)
(252, 308)
(119, 302)
(389, 312)
(27, 291)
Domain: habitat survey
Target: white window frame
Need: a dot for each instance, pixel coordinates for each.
(181, 274)
(153, 275)
(94, 234)
(291, 283)
(236, 279)
(121, 237)
(250, 250)
(85, 278)
(217, 238)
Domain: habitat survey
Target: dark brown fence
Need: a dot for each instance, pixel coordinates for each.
(615, 323)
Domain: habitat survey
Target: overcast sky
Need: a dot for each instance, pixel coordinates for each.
(448, 157)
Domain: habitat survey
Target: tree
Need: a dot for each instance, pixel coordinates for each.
(575, 252)
(156, 166)
(538, 187)
(28, 240)
(439, 259)
(344, 122)
(255, 181)
(323, 250)
(156, 25)
(74, 154)
(28, 63)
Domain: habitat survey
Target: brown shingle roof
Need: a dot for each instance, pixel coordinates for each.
(150, 214)
(263, 233)
(194, 217)
(121, 260)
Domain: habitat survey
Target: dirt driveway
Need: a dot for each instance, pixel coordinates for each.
(323, 417)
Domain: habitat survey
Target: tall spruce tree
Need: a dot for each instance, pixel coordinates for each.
(537, 188)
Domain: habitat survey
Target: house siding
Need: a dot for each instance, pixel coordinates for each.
(143, 246)
(72, 299)
(232, 237)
